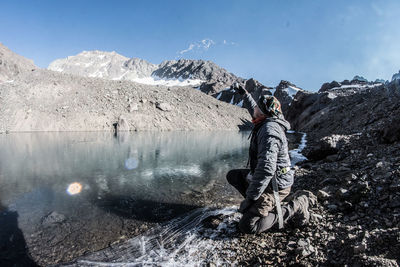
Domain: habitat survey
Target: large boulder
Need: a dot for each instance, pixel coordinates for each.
(391, 131)
(326, 146)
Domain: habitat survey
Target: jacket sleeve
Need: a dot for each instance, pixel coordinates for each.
(268, 149)
(249, 103)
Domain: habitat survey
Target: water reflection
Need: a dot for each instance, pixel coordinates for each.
(83, 189)
(146, 165)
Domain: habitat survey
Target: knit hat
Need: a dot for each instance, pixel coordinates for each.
(269, 105)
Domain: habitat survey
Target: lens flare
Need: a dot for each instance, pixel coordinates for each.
(74, 188)
(131, 163)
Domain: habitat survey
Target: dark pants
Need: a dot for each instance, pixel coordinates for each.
(262, 215)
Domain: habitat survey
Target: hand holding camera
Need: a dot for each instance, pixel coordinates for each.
(238, 88)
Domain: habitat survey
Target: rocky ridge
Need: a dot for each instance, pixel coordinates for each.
(44, 100)
(11, 64)
(353, 166)
(203, 75)
(112, 66)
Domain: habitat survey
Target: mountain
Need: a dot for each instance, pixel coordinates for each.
(396, 76)
(66, 100)
(11, 64)
(112, 66)
(356, 84)
(346, 107)
(107, 65)
(204, 75)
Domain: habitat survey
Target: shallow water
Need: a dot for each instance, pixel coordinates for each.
(53, 178)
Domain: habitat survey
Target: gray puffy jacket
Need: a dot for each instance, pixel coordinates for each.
(270, 154)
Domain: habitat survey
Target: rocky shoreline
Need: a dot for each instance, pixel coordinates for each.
(355, 222)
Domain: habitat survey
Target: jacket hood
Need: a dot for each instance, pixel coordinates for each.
(281, 121)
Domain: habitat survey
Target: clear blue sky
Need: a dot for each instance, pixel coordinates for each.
(305, 42)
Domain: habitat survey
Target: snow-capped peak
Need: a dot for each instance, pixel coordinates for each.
(396, 76)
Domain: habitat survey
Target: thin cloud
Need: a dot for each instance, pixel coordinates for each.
(202, 45)
(225, 42)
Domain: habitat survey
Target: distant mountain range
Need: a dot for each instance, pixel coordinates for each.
(203, 75)
(112, 66)
(101, 91)
(146, 78)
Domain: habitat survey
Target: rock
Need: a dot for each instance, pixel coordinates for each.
(391, 131)
(133, 107)
(351, 177)
(332, 207)
(164, 106)
(53, 218)
(328, 181)
(331, 158)
(360, 248)
(286, 92)
(212, 222)
(342, 193)
(326, 146)
(304, 248)
(379, 164)
(322, 195)
(324, 87)
(345, 82)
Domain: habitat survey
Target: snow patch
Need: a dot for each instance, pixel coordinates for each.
(361, 86)
(154, 80)
(291, 91)
(295, 154)
(240, 104)
(232, 100)
(219, 95)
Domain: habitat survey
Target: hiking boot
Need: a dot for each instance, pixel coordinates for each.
(300, 202)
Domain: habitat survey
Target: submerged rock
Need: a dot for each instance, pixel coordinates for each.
(53, 218)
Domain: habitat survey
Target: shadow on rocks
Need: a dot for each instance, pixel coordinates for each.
(143, 210)
(13, 248)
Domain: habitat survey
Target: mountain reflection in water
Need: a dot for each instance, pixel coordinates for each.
(77, 192)
(95, 166)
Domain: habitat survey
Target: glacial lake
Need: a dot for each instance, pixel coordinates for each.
(49, 180)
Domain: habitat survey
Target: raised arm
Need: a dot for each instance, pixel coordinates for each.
(248, 101)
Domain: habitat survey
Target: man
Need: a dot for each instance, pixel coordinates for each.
(269, 179)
